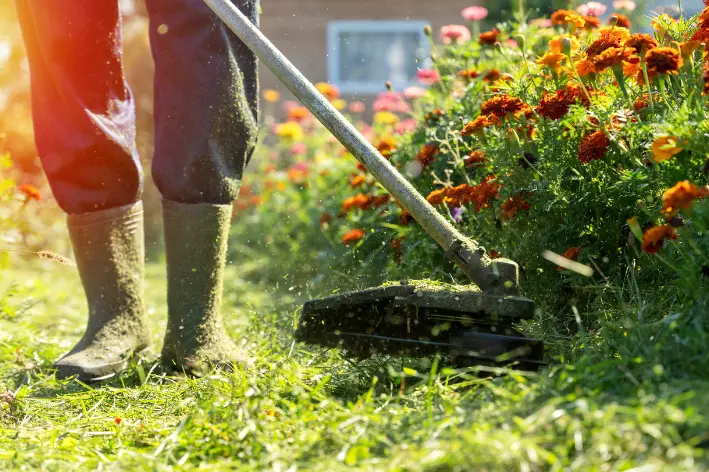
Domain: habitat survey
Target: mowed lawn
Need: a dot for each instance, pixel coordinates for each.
(305, 408)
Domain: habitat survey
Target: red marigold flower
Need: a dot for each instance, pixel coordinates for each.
(640, 42)
(489, 38)
(493, 76)
(475, 158)
(117, 420)
(593, 146)
(592, 22)
(572, 253)
(427, 154)
(622, 21)
(701, 35)
(682, 196)
(604, 42)
(468, 74)
(325, 218)
(482, 194)
(380, 200)
(31, 192)
(663, 61)
(352, 237)
(503, 105)
(654, 238)
(512, 205)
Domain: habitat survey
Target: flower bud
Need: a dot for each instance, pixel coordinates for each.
(614, 20)
(498, 46)
(388, 86)
(427, 30)
(513, 139)
(520, 41)
(566, 45)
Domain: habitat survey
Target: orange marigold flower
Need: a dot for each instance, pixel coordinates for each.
(386, 146)
(482, 194)
(427, 154)
(593, 146)
(512, 205)
(30, 191)
(611, 57)
(360, 201)
(479, 124)
(584, 67)
(358, 181)
(572, 253)
(663, 61)
(622, 33)
(641, 102)
(329, 90)
(553, 60)
(297, 114)
(604, 41)
(567, 17)
(475, 158)
(622, 21)
(380, 200)
(489, 38)
(664, 148)
(468, 74)
(352, 236)
(592, 22)
(640, 42)
(555, 106)
(704, 18)
(437, 197)
(682, 196)
(493, 76)
(502, 105)
(654, 238)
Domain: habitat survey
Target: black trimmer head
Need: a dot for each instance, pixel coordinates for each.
(422, 318)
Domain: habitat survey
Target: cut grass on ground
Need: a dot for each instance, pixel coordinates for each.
(302, 408)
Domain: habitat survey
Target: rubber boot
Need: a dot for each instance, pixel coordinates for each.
(109, 251)
(196, 244)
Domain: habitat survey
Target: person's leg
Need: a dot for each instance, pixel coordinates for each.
(206, 119)
(84, 130)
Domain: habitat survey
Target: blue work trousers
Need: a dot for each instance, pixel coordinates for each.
(206, 102)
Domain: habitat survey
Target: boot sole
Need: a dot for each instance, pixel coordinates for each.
(102, 372)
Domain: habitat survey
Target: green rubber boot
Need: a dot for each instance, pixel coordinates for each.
(109, 251)
(196, 243)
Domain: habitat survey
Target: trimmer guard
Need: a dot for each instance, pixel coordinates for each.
(419, 319)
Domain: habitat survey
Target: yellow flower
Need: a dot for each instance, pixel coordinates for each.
(664, 148)
(385, 118)
(290, 130)
(617, 31)
(271, 96)
(552, 60)
(339, 103)
(659, 23)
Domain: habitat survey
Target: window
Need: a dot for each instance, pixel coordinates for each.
(363, 55)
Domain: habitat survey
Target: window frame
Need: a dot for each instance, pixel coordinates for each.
(335, 28)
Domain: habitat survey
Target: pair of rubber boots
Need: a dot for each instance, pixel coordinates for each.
(110, 251)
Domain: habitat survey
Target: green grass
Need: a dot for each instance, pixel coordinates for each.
(307, 409)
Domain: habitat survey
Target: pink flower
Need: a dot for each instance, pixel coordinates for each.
(414, 93)
(512, 43)
(457, 34)
(428, 76)
(628, 5)
(541, 22)
(299, 149)
(389, 95)
(390, 101)
(592, 9)
(474, 13)
(290, 104)
(357, 107)
(406, 126)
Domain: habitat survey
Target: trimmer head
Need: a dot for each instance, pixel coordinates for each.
(416, 318)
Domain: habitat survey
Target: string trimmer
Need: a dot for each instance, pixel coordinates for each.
(471, 323)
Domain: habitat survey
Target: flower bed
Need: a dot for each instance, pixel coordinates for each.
(564, 135)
